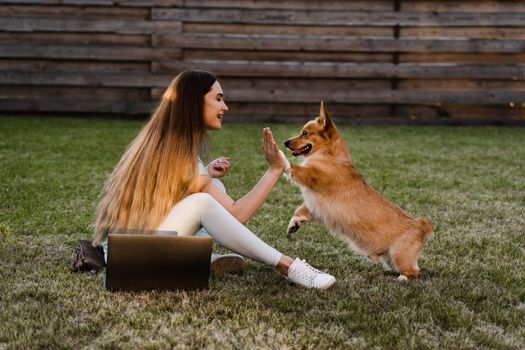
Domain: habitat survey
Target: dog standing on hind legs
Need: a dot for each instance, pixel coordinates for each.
(336, 195)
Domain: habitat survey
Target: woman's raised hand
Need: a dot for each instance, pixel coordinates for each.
(273, 155)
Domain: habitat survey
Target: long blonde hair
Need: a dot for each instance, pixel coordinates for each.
(159, 165)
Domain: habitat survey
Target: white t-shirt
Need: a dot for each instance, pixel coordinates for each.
(202, 169)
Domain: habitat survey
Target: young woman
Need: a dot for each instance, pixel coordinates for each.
(161, 184)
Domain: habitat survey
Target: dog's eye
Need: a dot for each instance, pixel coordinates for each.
(304, 134)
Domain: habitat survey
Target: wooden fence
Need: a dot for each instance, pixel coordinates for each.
(397, 61)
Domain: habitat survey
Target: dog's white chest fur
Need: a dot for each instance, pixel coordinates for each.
(328, 210)
(322, 207)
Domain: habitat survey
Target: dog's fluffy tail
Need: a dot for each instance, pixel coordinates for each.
(427, 229)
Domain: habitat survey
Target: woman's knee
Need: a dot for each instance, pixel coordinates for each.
(186, 216)
(202, 201)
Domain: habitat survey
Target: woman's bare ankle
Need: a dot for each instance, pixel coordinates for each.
(284, 264)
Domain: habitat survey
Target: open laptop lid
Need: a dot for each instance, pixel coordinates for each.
(156, 262)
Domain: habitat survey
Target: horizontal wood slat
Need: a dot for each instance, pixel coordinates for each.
(483, 58)
(339, 17)
(114, 53)
(91, 39)
(498, 33)
(124, 3)
(489, 6)
(77, 79)
(356, 5)
(76, 67)
(349, 70)
(83, 12)
(297, 56)
(496, 97)
(303, 43)
(262, 29)
(86, 25)
(76, 93)
(76, 105)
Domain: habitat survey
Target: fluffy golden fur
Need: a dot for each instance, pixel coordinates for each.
(336, 195)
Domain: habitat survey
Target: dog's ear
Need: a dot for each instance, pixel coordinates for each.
(324, 118)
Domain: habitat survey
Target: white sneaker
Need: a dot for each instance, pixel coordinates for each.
(302, 273)
(230, 263)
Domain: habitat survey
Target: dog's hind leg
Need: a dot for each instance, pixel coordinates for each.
(300, 216)
(404, 255)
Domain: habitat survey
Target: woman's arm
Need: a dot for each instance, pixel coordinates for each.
(246, 206)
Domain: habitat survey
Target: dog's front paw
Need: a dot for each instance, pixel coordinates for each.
(287, 165)
(287, 171)
(295, 224)
(292, 229)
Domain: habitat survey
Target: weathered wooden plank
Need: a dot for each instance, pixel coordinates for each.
(346, 70)
(287, 56)
(261, 29)
(107, 3)
(445, 71)
(326, 43)
(83, 79)
(325, 85)
(36, 105)
(151, 3)
(72, 12)
(460, 84)
(299, 113)
(464, 6)
(46, 2)
(116, 53)
(462, 113)
(89, 2)
(307, 110)
(40, 38)
(124, 3)
(60, 66)
(72, 92)
(488, 97)
(29, 24)
(338, 17)
(354, 5)
(498, 32)
(467, 58)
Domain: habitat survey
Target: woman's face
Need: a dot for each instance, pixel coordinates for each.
(214, 107)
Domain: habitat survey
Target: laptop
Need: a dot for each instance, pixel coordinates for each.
(137, 262)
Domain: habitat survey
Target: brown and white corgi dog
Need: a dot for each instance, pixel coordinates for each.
(336, 195)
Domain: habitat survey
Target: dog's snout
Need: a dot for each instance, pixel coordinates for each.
(287, 143)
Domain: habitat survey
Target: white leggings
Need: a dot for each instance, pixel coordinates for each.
(202, 210)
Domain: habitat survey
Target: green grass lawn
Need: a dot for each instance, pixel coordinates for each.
(469, 181)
